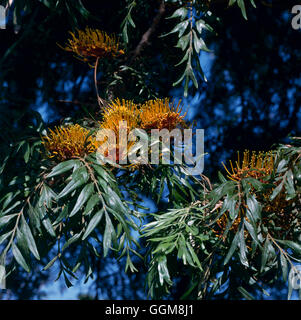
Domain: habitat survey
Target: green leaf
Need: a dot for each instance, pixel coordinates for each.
(107, 238)
(6, 219)
(62, 215)
(93, 223)
(194, 256)
(254, 209)
(79, 177)
(183, 42)
(19, 258)
(8, 198)
(34, 217)
(289, 185)
(243, 248)
(265, 254)
(114, 202)
(63, 167)
(46, 196)
(3, 237)
(93, 201)
(71, 240)
(233, 247)
(179, 13)
(82, 198)
(10, 208)
(27, 152)
(277, 190)
(221, 177)
(180, 27)
(253, 3)
(163, 270)
(241, 4)
(252, 231)
(46, 221)
(284, 266)
(291, 244)
(29, 238)
(245, 293)
(201, 24)
(67, 281)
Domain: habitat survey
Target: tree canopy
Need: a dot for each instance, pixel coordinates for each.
(71, 68)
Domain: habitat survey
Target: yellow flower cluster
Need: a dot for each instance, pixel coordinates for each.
(68, 142)
(120, 110)
(161, 114)
(93, 43)
(258, 165)
(153, 114)
(64, 143)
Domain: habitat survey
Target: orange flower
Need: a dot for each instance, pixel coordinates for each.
(113, 115)
(258, 166)
(64, 143)
(161, 114)
(93, 43)
(276, 212)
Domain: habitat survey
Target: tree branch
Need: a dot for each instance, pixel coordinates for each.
(146, 36)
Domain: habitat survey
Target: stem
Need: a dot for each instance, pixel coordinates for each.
(283, 252)
(99, 99)
(94, 181)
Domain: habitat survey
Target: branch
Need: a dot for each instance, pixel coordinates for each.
(145, 38)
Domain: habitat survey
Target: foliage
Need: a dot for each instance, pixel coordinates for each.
(264, 243)
(72, 211)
